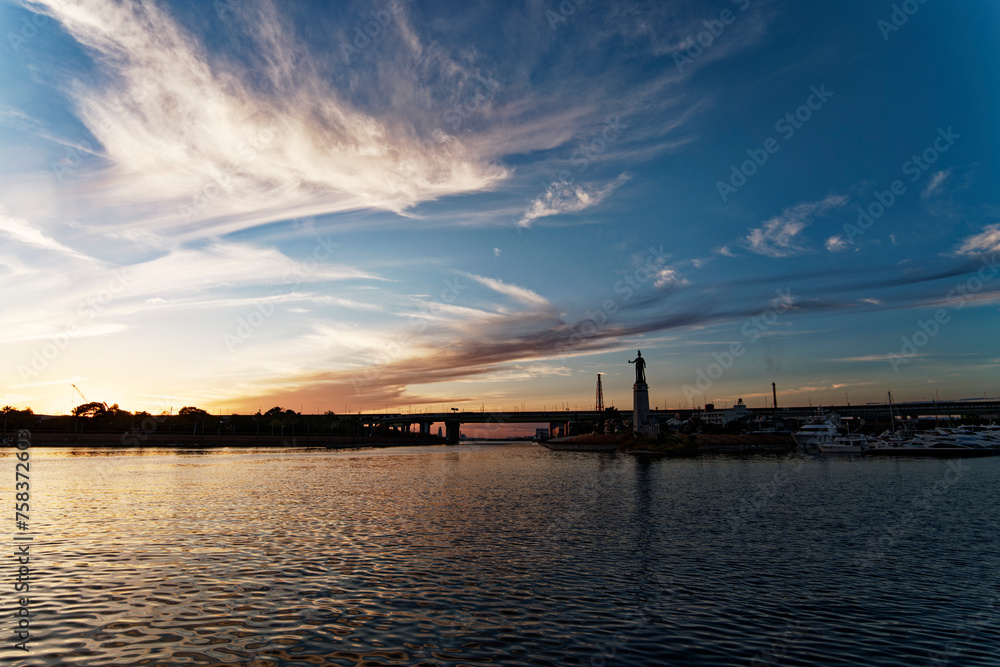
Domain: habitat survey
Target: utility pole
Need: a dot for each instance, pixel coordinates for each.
(599, 406)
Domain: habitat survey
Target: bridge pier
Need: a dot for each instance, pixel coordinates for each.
(453, 430)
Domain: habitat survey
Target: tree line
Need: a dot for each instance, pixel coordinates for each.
(100, 417)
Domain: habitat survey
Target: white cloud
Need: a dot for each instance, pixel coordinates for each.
(933, 186)
(20, 230)
(836, 243)
(986, 241)
(516, 292)
(185, 271)
(668, 276)
(778, 237)
(201, 143)
(880, 358)
(77, 331)
(563, 197)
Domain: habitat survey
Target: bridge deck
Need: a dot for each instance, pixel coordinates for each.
(976, 408)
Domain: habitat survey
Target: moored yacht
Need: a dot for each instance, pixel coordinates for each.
(817, 432)
(946, 437)
(938, 442)
(852, 443)
(990, 435)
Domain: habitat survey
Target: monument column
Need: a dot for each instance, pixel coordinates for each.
(640, 408)
(640, 398)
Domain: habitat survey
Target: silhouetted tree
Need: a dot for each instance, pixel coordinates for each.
(91, 410)
(14, 418)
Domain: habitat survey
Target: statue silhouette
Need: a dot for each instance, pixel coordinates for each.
(640, 368)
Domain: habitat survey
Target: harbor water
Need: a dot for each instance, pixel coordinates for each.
(504, 555)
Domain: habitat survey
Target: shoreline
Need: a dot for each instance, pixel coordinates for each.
(213, 441)
(677, 445)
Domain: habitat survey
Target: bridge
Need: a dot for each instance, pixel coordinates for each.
(558, 419)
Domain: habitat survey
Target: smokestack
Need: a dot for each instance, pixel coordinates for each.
(774, 396)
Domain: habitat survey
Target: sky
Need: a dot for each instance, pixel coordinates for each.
(409, 206)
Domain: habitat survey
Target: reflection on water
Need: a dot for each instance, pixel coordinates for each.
(507, 555)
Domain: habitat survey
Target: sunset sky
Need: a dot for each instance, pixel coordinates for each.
(418, 205)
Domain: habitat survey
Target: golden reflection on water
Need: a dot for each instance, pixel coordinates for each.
(454, 555)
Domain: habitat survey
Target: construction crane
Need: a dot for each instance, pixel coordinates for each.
(85, 399)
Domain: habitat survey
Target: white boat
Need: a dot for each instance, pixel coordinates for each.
(990, 435)
(852, 443)
(952, 438)
(938, 442)
(817, 432)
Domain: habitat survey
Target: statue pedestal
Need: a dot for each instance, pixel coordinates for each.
(640, 409)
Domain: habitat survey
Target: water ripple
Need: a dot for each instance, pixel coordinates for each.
(508, 555)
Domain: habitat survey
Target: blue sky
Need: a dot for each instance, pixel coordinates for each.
(416, 205)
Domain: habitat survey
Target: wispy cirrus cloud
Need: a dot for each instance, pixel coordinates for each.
(218, 276)
(935, 184)
(22, 231)
(196, 143)
(986, 241)
(836, 243)
(567, 197)
(669, 277)
(867, 358)
(209, 144)
(522, 294)
(442, 344)
(779, 236)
